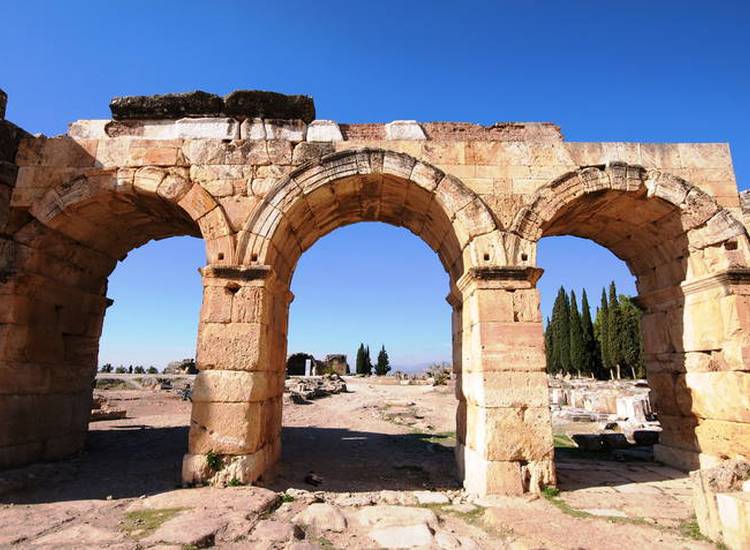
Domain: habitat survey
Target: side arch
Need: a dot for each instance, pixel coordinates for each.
(557, 209)
(371, 185)
(690, 258)
(117, 211)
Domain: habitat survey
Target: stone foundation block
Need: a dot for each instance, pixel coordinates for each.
(488, 477)
(246, 469)
(509, 433)
(225, 428)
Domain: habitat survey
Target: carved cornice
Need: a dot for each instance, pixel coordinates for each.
(512, 274)
(236, 272)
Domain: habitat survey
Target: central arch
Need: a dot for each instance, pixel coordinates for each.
(253, 299)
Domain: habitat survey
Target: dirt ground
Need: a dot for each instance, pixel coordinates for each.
(383, 456)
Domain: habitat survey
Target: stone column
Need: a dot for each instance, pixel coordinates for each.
(504, 429)
(697, 342)
(235, 425)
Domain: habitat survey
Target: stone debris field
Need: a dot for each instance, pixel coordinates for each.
(382, 458)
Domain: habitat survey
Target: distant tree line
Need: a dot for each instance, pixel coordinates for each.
(138, 369)
(609, 347)
(364, 364)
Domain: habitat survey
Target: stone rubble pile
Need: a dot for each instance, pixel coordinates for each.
(622, 407)
(301, 389)
(102, 410)
(721, 496)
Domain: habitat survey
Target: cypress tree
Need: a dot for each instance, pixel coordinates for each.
(602, 321)
(630, 339)
(361, 362)
(614, 328)
(383, 364)
(577, 351)
(561, 335)
(592, 361)
(368, 361)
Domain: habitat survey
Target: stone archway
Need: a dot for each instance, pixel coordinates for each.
(503, 425)
(54, 294)
(690, 258)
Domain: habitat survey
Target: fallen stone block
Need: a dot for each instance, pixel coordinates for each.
(261, 104)
(174, 106)
(727, 477)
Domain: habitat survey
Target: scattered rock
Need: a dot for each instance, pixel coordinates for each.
(270, 530)
(302, 389)
(189, 528)
(431, 497)
(392, 516)
(407, 536)
(78, 535)
(313, 479)
(321, 517)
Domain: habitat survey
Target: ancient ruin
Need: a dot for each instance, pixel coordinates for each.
(261, 180)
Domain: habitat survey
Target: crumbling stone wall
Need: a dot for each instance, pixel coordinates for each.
(261, 188)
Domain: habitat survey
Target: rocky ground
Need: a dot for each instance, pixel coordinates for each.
(369, 468)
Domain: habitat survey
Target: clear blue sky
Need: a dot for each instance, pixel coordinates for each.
(627, 71)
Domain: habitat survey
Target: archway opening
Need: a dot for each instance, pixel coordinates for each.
(377, 285)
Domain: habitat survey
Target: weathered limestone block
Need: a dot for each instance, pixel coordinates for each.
(404, 129)
(717, 511)
(236, 386)
(324, 130)
(88, 129)
(207, 128)
(259, 129)
(734, 515)
(225, 427)
(233, 346)
(503, 389)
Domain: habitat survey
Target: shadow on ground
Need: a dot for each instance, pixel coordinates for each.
(127, 461)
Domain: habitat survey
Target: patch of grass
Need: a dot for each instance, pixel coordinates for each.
(234, 482)
(576, 513)
(551, 491)
(324, 543)
(562, 441)
(286, 498)
(214, 461)
(141, 523)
